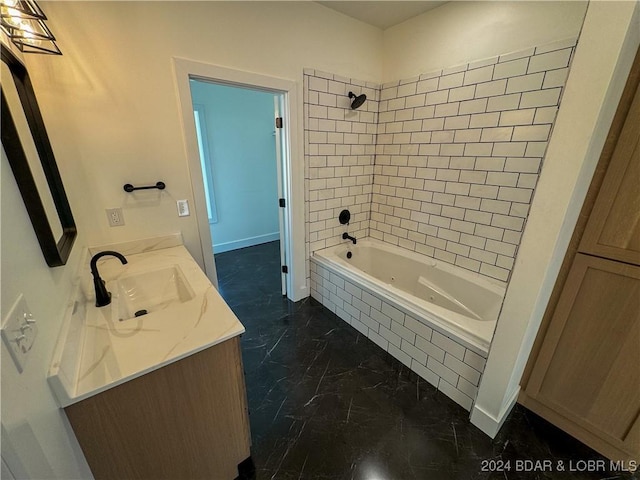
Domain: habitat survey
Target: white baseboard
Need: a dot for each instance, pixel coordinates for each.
(487, 422)
(245, 242)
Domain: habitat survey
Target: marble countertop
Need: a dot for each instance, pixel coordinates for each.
(96, 351)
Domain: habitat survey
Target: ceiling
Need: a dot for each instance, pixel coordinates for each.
(382, 14)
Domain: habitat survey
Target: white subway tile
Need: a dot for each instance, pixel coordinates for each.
(456, 395)
(378, 340)
(451, 81)
(454, 69)
(509, 149)
(483, 256)
(494, 272)
(527, 180)
(374, 302)
(478, 75)
(430, 85)
(448, 345)
(525, 83)
(517, 117)
(473, 106)
(393, 313)
(407, 90)
(442, 371)
(478, 150)
(425, 373)
(392, 338)
(457, 122)
(495, 206)
(545, 115)
(533, 133)
(414, 352)
(536, 149)
(485, 120)
(462, 369)
(415, 101)
(511, 223)
(511, 69)
(522, 195)
(504, 102)
(400, 355)
(522, 165)
(466, 387)
(462, 93)
(550, 61)
(541, 98)
(434, 98)
(491, 89)
(489, 232)
(467, 135)
(447, 109)
(555, 78)
(475, 360)
(496, 134)
(468, 264)
(502, 178)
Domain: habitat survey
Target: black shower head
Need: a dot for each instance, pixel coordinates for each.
(358, 100)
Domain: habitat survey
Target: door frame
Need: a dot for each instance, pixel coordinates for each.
(293, 188)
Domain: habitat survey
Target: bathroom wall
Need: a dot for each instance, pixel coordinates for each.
(36, 438)
(242, 154)
(459, 152)
(112, 105)
(339, 156)
(465, 31)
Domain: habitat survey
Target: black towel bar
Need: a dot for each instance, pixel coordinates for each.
(130, 188)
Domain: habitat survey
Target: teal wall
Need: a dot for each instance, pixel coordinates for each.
(240, 135)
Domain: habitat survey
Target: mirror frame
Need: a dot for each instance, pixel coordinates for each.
(55, 251)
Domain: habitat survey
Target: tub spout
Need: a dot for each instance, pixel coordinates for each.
(346, 236)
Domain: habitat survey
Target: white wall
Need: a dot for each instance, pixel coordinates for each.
(242, 150)
(108, 123)
(461, 32)
(109, 127)
(37, 432)
(603, 58)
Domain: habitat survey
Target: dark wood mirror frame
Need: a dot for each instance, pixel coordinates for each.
(55, 251)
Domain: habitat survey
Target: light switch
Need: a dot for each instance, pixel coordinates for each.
(19, 331)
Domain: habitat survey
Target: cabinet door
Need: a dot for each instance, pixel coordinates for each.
(588, 369)
(613, 230)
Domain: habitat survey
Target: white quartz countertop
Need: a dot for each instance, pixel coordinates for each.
(96, 351)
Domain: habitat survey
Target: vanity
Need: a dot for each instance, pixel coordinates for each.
(153, 383)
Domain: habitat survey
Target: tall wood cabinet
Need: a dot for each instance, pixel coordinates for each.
(584, 371)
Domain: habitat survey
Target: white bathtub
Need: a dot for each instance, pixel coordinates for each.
(460, 304)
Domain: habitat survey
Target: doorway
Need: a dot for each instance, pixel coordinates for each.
(291, 175)
(241, 163)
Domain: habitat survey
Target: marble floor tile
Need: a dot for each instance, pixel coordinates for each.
(326, 403)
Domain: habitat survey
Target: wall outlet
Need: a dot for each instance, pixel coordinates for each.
(183, 208)
(19, 331)
(116, 219)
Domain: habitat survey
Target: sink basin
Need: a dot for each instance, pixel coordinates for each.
(150, 291)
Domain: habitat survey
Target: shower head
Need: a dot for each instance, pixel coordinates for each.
(358, 100)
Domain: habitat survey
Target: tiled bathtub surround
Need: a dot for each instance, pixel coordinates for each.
(446, 363)
(339, 156)
(458, 156)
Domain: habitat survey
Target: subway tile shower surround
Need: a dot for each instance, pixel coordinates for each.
(444, 164)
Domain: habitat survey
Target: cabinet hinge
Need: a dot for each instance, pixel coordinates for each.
(279, 122)
(282, 202)
(285, 269)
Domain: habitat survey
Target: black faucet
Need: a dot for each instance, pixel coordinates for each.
(103, 297)
(345, 235)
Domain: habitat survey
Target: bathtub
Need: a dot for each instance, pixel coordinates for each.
(436, 318)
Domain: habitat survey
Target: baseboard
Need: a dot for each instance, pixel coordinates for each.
(245, 242)
(487, 422)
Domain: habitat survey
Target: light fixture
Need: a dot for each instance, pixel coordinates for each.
(23, 22)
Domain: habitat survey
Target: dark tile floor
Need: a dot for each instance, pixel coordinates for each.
(326, 403)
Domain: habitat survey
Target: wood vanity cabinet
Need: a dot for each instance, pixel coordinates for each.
(584, 371)
(186, 420)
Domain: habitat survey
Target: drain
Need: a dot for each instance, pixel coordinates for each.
(139, 313)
